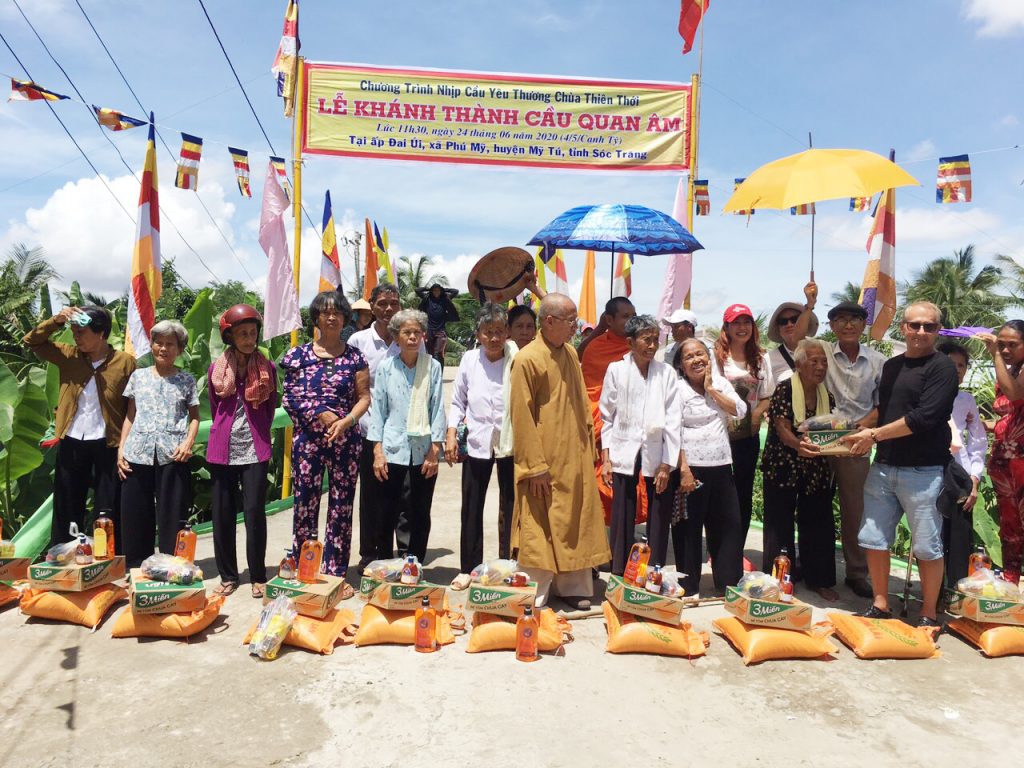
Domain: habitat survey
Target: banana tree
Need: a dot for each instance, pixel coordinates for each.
(24, 419)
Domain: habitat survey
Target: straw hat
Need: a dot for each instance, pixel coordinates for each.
(361, 304)
(773, 329)
(500, 275)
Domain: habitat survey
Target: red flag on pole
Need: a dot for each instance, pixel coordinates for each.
(691, 12)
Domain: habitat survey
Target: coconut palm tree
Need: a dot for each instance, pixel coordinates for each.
(965, 294)
(411, 273)
(1013, 277)
(849, 292)
(24, 296)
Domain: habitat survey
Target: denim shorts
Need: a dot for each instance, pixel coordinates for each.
(892, 491)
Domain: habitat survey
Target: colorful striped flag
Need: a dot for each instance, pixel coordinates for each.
(954, 182)
(330, 266)
(383, 258)
(860, 204)
(701, 197)
(622, 285)
(282, 175)
(146, 282)
(540, 271)
(878, 289)
(371, 266)
(114, 120)
(26, 90)
(287, 58)
(240, 158)
(188, 164)
(735, 186)
(802, 210)
(556, 263)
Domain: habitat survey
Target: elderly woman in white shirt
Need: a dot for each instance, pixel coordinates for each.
(707, 401)
(478, 399)
(640, 438)
(407, 431)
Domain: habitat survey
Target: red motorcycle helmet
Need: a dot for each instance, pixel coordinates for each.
(240, 313)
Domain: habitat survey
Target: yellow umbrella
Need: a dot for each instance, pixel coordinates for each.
(817, 174)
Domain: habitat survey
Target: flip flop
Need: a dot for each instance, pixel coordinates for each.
(258, 590)
(225, 588)
(461, 582)
(347, 591)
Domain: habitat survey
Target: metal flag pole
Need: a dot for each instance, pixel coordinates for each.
(694, 135)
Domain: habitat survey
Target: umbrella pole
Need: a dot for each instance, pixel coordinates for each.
(810, 144)
(611, 285)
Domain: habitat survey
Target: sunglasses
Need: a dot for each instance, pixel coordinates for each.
(926, 327)
(787, 320)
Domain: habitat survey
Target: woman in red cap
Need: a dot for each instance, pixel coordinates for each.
(740, 359)
(243, 396)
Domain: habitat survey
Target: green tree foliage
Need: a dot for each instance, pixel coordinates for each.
(966, 294)
(24, 295)
(849, 292)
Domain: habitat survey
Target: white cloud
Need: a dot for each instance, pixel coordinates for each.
(998, 18)
(923, 150)
(1008, 121)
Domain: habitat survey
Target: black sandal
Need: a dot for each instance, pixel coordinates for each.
(925, 622)
(874, 612)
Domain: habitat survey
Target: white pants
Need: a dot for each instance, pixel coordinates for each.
(567, 584)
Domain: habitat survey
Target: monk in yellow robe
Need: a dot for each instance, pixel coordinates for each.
(558, 532)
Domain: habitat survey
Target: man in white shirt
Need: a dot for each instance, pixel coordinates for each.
(376, 344)
(854, 373)
(682, 325)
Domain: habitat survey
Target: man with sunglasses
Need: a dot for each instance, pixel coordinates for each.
(789, 325)
(915, 401)
(854, 372)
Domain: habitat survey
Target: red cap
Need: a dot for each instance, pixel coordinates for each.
(736, 310)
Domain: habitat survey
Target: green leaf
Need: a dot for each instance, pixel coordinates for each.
(198, 322)
(31, 420)
(75, 294)
(986, 521)
(10, 396)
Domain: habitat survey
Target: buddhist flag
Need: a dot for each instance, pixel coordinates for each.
(691, 13)
(954, 182)
(622, 285)
(281, 304)
(370, 278)
(701, 197)
(860, 204)
(587, 311)
(282, 175)
(114, 120)
(287, 58)
(556, 263)
(330, 266)
(240, 159)
(383, 258)
(188, 163)
(878, 289)
(735, 186)
(538, 269)
(146, 283)
(26, 90)
(807, 209)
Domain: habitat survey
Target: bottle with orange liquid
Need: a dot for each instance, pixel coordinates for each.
(786, 594)
(426, 627)
(310, 555)
(639, 554)
(781, 566)
(526, 636)
(83, 552)
(410, 571)
(978, 560)
(103, 537)
(653, 583)
(186, 545)
(287, 568)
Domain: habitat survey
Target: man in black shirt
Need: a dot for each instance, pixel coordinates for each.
(915, 401)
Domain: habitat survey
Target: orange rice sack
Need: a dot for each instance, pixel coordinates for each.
(317, 635)
(172, 625)
(498, 633)
(86, 608)
(992, 639)
(634, 634)
(380, 625)
(8, 595)
(757, 644)
(883, 638)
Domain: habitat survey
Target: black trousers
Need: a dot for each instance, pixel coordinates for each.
(154, 497)
(476, 476)
(414, 528)
(713, 510)
(744, 467)
(812, 515)
(659, 513)
(957, 545)
(370, 494)
(245, 486)
(81, 465)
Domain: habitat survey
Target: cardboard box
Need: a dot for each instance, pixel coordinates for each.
(987, 610)
(640, 602)
(147, 596)
(73, 577)
(502, 600)
(315, 599)
(828, 441)
(400, 597)
(14, 568)
(767, 613)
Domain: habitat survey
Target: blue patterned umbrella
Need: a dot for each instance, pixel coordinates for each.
(619, 229)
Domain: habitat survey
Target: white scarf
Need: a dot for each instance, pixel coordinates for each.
(505, 434)
(799, 407)
(642, 406)
(418, 420)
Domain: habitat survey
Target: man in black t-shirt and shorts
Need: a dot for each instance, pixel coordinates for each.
(915, 401)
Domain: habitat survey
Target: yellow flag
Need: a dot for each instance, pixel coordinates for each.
(587, 310)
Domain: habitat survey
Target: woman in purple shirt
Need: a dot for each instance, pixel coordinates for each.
(242, 385)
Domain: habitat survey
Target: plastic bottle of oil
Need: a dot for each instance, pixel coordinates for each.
(654, 580)
(410, 571)
(639, 555)
(287, 568)
(186, 544)
(526, 636)
(103, 537)
(781, 566)
(83, 552)
(978, 559)
(310, 555)
(426, 627)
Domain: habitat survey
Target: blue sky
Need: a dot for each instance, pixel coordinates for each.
(927, 78)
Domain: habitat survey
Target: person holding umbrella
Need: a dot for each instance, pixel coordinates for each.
(790, 323)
